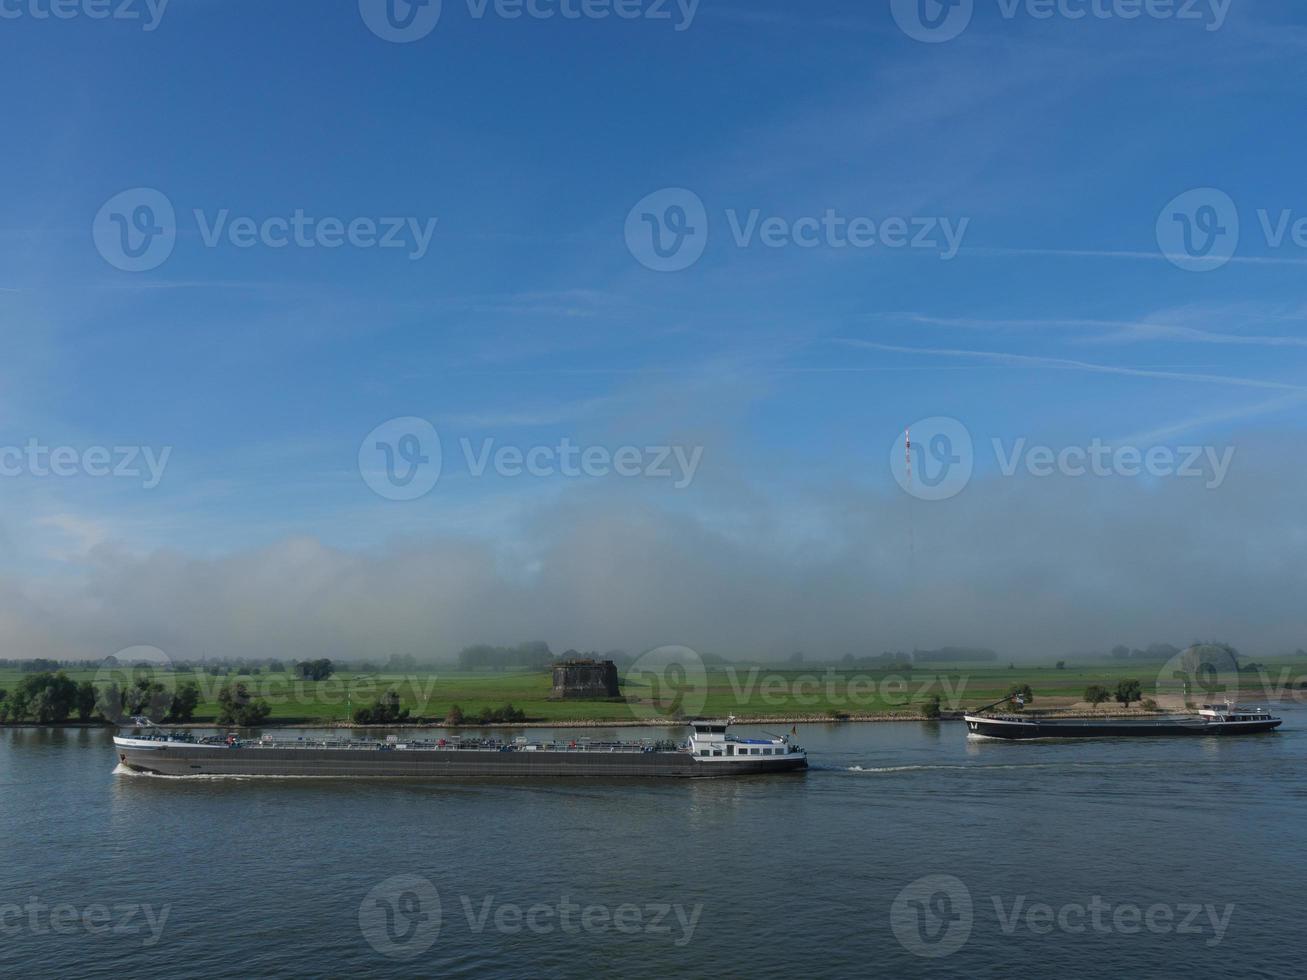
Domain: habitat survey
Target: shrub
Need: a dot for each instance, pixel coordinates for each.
(1127, 691)
(385, 711)
(236, 707)
(507, 713)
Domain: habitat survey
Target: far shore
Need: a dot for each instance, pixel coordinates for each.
(1071, 711)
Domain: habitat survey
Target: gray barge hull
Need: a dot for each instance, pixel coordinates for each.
(458, 764)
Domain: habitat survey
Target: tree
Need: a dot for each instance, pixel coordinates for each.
(455, 716)
(1096, 694)
(18, 704)
(930, 710)
(236, 707)
(149, 698)
(315, 670)
(1127, 691)
(48, 697)
(109, 702)
(44, 707)
(85, 701)
(1023, 692)
(184, 702)
(1061, 665)
(482, 656)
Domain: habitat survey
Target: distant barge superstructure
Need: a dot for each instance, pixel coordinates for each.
(709, 751)
(1211, 719)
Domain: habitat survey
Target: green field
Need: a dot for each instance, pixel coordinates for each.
(747, 691)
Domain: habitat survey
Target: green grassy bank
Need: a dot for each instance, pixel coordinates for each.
(747, 691)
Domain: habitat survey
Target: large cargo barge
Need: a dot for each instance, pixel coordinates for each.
(710, 750)
(1210, 720)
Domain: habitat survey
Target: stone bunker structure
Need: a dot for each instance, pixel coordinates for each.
(580, 679)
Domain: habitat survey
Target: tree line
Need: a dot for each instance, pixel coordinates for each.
(483, 656)
(53, 698)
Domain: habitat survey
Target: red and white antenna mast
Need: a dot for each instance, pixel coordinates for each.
(907, 451)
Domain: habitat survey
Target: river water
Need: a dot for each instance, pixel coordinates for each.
(907, 850)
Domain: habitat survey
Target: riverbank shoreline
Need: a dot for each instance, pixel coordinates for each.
(581, 724)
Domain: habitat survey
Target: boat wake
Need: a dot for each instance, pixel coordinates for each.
(936, 767)
(121, 770)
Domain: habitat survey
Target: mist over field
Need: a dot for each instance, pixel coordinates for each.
(1033, 568)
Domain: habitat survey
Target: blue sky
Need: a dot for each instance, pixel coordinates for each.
(1055, 143)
